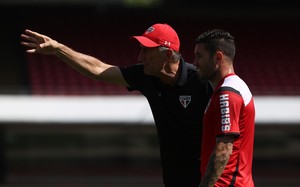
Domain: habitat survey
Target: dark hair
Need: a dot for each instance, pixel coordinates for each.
(218, 40)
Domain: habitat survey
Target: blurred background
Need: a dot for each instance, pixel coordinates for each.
(60, 128)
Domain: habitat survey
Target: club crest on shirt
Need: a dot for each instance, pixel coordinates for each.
(185, 100)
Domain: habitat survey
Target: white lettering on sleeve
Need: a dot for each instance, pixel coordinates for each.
(225, 112)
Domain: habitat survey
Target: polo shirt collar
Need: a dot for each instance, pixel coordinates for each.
(183, 68)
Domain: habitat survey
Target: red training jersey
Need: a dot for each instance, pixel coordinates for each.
(231, 111)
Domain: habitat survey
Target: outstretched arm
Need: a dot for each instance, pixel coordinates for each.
(85, 64)
(218, 160)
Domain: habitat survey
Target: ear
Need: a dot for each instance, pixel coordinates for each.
(169, 56)
(172, 57)
(169, 53)
(219, 57)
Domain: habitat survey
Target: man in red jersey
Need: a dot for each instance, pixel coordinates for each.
(228, 129)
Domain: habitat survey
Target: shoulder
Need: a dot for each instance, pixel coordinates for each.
(235, 84)
(136, 69)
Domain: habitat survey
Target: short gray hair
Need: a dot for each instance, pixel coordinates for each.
(176, 55)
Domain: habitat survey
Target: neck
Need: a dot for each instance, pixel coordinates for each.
(220, 75)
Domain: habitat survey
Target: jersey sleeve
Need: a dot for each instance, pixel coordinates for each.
(230, 107)
(134, 76)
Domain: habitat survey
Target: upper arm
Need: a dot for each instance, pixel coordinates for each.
(224, 145)
(112, 74)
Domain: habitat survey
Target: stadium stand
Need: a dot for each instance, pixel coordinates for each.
(266, 54)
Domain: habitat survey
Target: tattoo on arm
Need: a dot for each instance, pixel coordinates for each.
(218, 160)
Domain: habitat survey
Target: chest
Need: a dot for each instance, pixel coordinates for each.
(182, 98)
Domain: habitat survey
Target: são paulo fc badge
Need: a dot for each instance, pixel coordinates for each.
(185, 100)
(150, 29)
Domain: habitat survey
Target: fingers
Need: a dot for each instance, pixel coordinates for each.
(29, 44)
(29, 36)
(33, 34)
(31, 40)
(38, 43)
(32, 46)
(31, 51)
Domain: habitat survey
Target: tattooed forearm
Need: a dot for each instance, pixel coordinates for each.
(216, 164)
